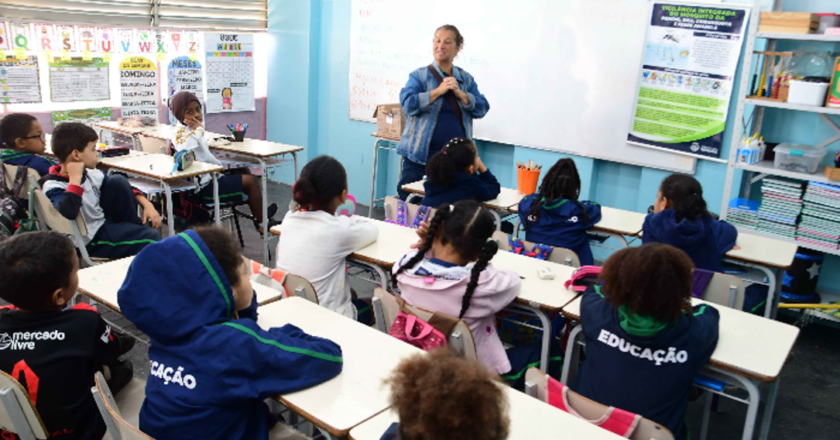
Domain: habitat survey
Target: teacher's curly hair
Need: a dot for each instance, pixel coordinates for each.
(459, 39)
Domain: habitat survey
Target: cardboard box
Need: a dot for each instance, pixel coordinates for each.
(789, 22)
(831, 173)
(390, 121)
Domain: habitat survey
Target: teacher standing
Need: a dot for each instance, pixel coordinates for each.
(440, 101)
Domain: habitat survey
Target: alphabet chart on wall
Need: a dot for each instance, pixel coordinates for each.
(230, 72)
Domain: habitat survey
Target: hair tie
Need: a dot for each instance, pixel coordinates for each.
(451, 208)
(445, 153)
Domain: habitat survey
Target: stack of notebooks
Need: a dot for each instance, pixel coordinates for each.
(780, 207)
(743, 213)
(820, 225)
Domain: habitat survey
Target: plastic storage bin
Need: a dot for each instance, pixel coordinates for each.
(810, 92)
(798, 158)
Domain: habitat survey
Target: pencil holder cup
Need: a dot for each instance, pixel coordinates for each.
(239, 136)
(527, 180)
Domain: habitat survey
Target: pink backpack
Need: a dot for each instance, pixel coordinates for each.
(584, 277)
(615, 420)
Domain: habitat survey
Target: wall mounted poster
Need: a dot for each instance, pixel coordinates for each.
(230, 72)
(139, 87)
(88, 117)
(79, 80)
(19, 81)
(685, 84)
(4, 36)
(184, 74)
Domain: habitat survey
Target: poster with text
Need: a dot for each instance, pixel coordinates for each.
(65, 34)
(230, 72)
(125, 37)
(19, 36)
(685, 84)
(145, 40)
(77, 79)
(106, 37)
(88, 116)
(44, 37)
(139, 87)
(184, 75)
(20, 81)
(86, 38)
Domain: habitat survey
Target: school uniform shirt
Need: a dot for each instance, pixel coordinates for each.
(640, 365)
(23, 158)
(438, 286)
(480, 187)
(392, 433)
(561, 224)
(195, 140)
(211, 371)
(315, 245)
(54, 356)
(704, 239)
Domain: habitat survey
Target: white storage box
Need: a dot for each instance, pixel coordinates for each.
(807, 93)
(798, 158)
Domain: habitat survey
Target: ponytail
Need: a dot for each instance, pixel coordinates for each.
(456, 156)
(685, 196)
(487, 254)
(441, 215)
(304, 191)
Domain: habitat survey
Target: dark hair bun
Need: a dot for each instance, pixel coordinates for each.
(304, 191)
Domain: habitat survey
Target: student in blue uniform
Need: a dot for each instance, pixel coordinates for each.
(555, 217)
(22, 138)
(457, 173)
(680, 219)
(644, 340)
(211, 364)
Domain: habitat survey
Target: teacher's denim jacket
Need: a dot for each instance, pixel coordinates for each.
(421, 116)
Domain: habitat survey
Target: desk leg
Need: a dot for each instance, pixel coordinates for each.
(216, 200)
(264, 191)
(373, 178)
(294, 157)
(547, 334)
(572, 353)
(170, 219)
(764, 431)
(383, 275)
(773, 289)
(497, 218)
(754, 397)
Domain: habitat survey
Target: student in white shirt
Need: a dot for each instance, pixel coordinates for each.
(315, 242)
(234, 183)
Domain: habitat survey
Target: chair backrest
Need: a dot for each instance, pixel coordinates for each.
(726, 290)
(153, 146)
(392, 203)
(460, 340)
(536, 385)
(53, 219)
(17, 412)
(558, 255)
(118, 427)
(293, 283)
(31, 180)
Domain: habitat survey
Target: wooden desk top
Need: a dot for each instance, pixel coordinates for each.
(506, 199)
(258, 148)
(370, 356)
(158, 166)
(765, 251)
(749, 345)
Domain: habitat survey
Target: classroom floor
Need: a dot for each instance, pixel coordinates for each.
(808, 402)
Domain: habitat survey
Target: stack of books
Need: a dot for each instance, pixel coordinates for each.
(820, 224)
(780, 207)
(743, 213)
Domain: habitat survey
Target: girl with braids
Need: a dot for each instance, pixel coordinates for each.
(457, 173)
(680, 219)
(555, 217)
(450, 272)
(315, 242)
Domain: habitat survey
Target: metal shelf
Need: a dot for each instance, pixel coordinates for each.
(742, 229)
(797, 107)
(798, 37)
(766, 167)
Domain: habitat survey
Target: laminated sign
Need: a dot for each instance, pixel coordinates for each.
(139, 87)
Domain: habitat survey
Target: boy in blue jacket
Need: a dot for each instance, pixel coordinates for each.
(22, 138)
(211, 364)
(680, 219)
(457, 173)
(644, 340)
(555, 217)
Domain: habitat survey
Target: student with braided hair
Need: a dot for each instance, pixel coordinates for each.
(457, 173)
(555, 217)
(450, 272)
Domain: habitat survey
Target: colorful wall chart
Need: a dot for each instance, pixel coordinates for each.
(230, 72)
(88, 117)
(184, 75)
(77, 79)
(139, 87)
(20, 81)
(691, 54)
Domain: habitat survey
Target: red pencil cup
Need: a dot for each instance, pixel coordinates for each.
(527, 180)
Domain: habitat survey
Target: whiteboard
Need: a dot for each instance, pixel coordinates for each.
(560, 75)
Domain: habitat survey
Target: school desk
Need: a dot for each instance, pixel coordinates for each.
(370, 356)
(102, 282)
(616, 223)
(159, 168)
(529, 419)
(503, 202)
(750, 350)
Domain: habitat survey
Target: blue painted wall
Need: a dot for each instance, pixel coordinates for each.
(308, 102)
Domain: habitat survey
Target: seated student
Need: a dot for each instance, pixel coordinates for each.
(457, 173)
(190, 136)
(644, 340)
(440, 396)
(549, 219)
(315, 242)
(22, 138)
(107, 204)
(680, 219)
(438, 277)
(211, 364)
(54, 350)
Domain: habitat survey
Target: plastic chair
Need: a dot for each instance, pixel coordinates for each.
(725, 290)
(392, 203)
(18, 413)
(30, 182)
(536, 386)
(50, 217)
(385, 308)
(129, 402)
(558, 255)
(301, 287)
